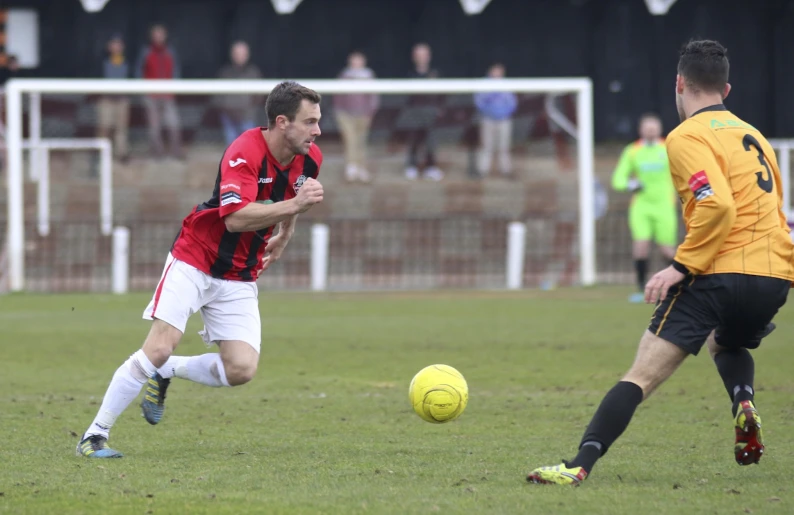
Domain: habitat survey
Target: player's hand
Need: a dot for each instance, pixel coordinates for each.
(309, 194)
(275, 247)
(659, 285)
(634, 186)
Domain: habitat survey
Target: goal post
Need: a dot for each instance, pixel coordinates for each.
(16, 89)
(784, 148)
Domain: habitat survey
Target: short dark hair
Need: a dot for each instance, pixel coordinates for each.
(286, 98)
(650, 116)
(704, 65)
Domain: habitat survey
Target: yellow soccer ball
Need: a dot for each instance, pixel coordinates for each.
(438, 393)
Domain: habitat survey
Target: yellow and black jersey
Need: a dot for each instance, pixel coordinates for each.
(727, 177)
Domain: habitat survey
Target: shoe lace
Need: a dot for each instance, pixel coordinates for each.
(164, 383)
(97, 442)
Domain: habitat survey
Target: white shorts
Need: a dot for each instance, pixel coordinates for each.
(230, 309)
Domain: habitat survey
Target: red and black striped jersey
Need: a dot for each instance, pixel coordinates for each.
(248, 172)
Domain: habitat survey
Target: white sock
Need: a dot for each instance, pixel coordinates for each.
(124, 388)
(206, 369)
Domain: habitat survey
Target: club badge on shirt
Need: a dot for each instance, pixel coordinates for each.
(299, 182)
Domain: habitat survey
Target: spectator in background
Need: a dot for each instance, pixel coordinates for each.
(422, 136)
(10, 70)
(496, 125)
(237, 111)
(160, 61)
(7, 72)
(354, 114)
(114, 110)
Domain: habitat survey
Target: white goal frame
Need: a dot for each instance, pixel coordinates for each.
(784, 147)
(40, 173)
(582, 87)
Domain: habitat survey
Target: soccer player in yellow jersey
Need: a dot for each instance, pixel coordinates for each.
(730, 275)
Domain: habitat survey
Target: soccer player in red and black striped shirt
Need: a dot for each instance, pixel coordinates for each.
(266, 177)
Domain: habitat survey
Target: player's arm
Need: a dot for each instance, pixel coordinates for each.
(481, 100)
(238, 191)
(698, 177)
(311, 192)
(254, 217)
(622, 174)
(311, 189)
(286, 228)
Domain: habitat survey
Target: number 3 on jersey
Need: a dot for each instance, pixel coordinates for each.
(764, 184)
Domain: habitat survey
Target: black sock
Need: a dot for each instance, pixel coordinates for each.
(608, 423)
(737, 370)
(641, 266)
(589, 453)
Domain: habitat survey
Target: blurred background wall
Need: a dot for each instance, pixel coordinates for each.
(630, 54)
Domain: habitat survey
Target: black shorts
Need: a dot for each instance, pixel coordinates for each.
(738, 306)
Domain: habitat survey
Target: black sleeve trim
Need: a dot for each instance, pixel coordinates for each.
(681, 268)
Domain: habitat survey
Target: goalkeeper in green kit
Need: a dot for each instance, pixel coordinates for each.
(643, 171)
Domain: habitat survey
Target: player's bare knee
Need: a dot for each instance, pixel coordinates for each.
(656, 360)
(713, 346)
(239, 361)
(161, 342)
(647, 380)
(641, 249)
(238, 373)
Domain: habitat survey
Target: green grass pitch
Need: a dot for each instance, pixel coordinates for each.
(326, 426)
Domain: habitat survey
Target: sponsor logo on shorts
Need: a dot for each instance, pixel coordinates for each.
(230, 197)
(699, 185)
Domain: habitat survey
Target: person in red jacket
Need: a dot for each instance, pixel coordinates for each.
(160, 61)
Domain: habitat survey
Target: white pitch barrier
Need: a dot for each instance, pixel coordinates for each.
(516, 245)
(319, 257)
(121, 260)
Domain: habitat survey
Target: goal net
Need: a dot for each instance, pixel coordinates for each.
(526, 217)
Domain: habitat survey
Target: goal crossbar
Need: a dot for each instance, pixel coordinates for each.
(15, 89)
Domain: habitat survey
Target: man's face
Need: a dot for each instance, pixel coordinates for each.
(116, 46)
(240, 54)
(357, 61)
(650, 129)
(301, 132)
(159, 35)
(422, 55)
(497, 71)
